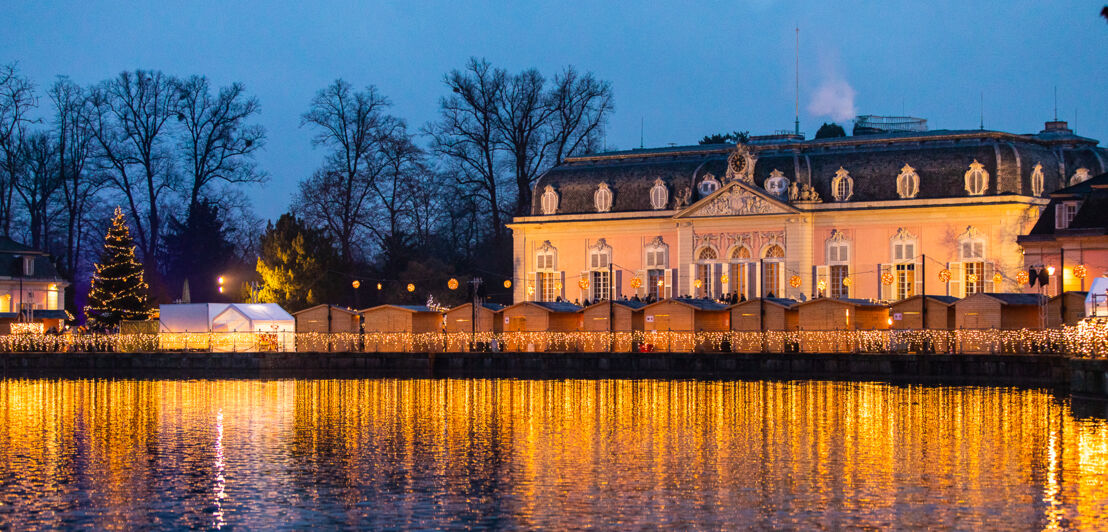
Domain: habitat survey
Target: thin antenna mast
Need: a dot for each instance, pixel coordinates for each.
(982, 126)
(1055, 103)
(797, 121)
(642, 121)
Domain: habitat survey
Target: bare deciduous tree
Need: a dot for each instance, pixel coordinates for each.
(17, 99)
(37, 182)
(78, 185)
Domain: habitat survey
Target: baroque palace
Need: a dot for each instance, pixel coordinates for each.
(888, 213)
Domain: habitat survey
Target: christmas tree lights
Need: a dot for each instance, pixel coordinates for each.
(118, 290)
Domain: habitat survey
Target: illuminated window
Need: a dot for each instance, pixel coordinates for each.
(972, 251)
(740, 260)
(705, 259)
(52, 297)
(600, 257)
(773, 269)
(655, 261)
(548, 276)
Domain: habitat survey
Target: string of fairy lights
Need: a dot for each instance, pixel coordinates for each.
(1087, 340)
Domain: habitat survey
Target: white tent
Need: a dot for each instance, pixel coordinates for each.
(1096, 301)
(273, 327)
(226, 327)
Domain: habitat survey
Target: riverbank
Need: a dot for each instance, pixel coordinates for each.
(1078, 376)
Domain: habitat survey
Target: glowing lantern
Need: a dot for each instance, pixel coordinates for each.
(558, 285)
(822, 285)
(944, 275)
(795, 281)
(971, 278)
(378, 286)
(411, 287)
(530, 289)
(847, 281)
(1079, 271)
(507, 283)
(584, 284)
(998, 278)
(723, 278)
(356, 284)
(887, 278)
(661, 283)
(1022, 278)
(451, 284)
(636, 282)
(698, 283)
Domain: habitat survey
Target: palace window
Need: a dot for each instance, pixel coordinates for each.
(838, 260)
(547, 277)
(842, 185)
(600, 257)
(977, 179)
(973, 264)
(777, 184)
(1037, 180)
(907, 183)
(1064, 213)
(52, 297)
(740, 261)
(773, 270)
(602, 198)
(656, 261)
(659, 195)
(904, 264)
(705, 259)
(549, 201)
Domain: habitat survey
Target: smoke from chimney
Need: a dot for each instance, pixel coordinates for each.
(834, 97)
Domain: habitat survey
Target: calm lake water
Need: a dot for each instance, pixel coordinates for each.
(544, 454)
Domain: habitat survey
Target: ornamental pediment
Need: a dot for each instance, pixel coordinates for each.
(736, 199)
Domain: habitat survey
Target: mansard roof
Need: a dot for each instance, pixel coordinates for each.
(941, 159)
(1091, 217)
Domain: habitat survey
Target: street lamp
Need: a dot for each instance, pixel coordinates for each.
(357, 302)
(220, 283)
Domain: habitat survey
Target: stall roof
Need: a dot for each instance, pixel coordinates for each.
(262, 311)
(409, 308)
(629, 303)
(1013, 299)
(854, 302)
(696, 303)
(946, 300)
(333, 307)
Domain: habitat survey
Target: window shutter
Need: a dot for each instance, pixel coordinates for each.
(717, 285)
(917, 272)
(534, 277)
(853, 281)
(585, 293)
(756, 282)
(644, 280)
(956, 287)
(823, 273)
(989, 271)
(884, 292)
(562, 276)
(671, 277)
(617, 286)
(691, 288)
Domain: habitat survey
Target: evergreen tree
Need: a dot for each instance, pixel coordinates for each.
(296, 265)
(118, 291)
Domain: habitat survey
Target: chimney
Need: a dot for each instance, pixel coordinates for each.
(1057, 126)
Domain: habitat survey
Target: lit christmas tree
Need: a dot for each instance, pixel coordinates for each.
(118, 291)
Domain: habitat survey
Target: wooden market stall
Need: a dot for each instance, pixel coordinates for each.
(822, 321)
(540, 326)
(751, 319)
(460, 327)
(403, 328)
(910, 313)
(625, 319)
(327, 328)
(1000, 311)
(673, 324)
(1072, 303)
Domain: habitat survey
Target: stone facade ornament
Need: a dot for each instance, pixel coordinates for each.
(659, 195)
(684, 197)
(1080, 176)
(1037, 180)
(907, 183)
(549, 201)
(777, 184)
(807, 194)
(736, 202)
(602, 198)
(740, 165)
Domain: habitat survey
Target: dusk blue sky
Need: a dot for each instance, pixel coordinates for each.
(684, 69)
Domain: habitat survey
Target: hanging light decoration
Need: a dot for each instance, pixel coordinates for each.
(998, 278)
(411, 287)
(557, 285)
(887, 278)
(530, 289)
(723, 278)
(822, 285)
(1021, 278)
(507, 283)
(661, 283)
(378, 286)
(583, 283)
(944, 275)
(698, 283)
(795, 281)
(636, 282)
(971, 278)
(847, 281)
(1080, 271)
(356, 284)
(451, 284)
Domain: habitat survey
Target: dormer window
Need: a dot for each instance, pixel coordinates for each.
(708, 185)
(907, 183)
(777, 184)
(549, 201)
(659, 195)
(977, 179)
(602, 198)
(842, 185)
(1064, 214)
(1037, 180)
(1080, 176)
(28, 266)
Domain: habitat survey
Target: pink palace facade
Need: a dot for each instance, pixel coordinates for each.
(880, 215)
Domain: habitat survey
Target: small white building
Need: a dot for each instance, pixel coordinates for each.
(226, 327)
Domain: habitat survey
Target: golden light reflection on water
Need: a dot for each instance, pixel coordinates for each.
(553, 454)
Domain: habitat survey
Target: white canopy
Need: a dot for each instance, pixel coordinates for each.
(1096, 301)
(193, 318)
(275, 328)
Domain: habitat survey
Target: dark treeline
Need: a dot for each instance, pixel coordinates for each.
(388, 204)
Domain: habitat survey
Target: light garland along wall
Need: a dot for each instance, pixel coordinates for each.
(1089, 340)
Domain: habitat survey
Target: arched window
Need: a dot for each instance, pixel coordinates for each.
(546, 275)
(659, 195)
(708, 185)
(777, 184)
(705, 261)
(842, 185)
(907, 183)
(1037, 180)
(602, 198)
(737, 281)
(773, 271)
(549, 201)
(977, 179)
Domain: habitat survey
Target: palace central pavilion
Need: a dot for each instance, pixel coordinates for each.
(880, 215)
